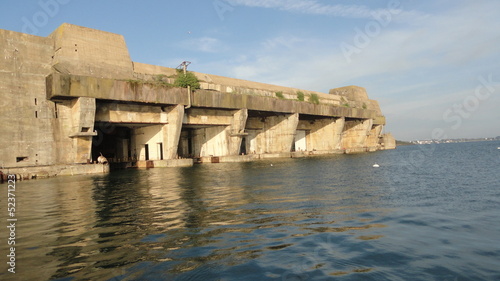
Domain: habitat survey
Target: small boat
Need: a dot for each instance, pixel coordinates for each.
(376, 165)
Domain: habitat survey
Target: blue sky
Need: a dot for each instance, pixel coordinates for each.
(432, 65)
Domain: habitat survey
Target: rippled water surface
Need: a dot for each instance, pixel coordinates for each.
(428, 213)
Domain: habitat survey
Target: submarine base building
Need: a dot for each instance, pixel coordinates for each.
(69, 97)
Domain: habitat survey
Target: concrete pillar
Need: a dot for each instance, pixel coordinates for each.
(325, 134)
(82, 129)
(237, 131)
(355, 134)
(388, 141)
(82, 149)
(373, 139)
(279, 132)
(172, 131)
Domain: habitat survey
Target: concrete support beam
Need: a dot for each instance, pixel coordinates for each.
(60, 86)
(129, 113)
(210, 117)
(171, 132)
(237, 131)
(355, 134)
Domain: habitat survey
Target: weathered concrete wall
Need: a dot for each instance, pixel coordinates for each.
(323, 134)
(355, 134)
(211, 141)
(130, 113)
(84, 51)
(67, 86)
(277, 134)
(223, 137)
(41, 172)
(27, 118)
(205, 116)
(61, 86)
(170, 163)
(388, 141)
(373, 141)
(229, 85)
(203, 98)
(150, 136)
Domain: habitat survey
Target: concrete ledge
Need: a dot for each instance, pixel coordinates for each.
(356, 150)
(275, 155)
(170, 163)
(173, 163)
(39, 172)
(72, 86)
(256, 157)
(317, 153)
(214, 99)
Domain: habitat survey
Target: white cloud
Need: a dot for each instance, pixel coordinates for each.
(315, 7)
(308, 7)
(280, 42)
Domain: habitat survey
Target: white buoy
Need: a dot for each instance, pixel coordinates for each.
(376, 165)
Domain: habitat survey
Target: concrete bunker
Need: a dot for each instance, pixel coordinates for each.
(77, 105)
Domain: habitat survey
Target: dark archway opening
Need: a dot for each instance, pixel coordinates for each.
(114, 143)
(243, 146)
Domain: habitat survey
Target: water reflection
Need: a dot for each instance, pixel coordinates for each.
(172, 221)
(297, 218)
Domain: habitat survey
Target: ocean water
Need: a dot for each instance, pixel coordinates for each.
(429, 212)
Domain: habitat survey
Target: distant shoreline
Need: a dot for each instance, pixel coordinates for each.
(400, 143)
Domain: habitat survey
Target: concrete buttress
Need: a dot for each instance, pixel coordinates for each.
(171, 132)
(279, 133)
(237, 131)
(322, 134)
(373, 141)
(82, 129)
(355, 134)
